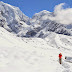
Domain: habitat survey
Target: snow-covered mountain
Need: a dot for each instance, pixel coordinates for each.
(13, 20)
(42, 25)
(39, 52)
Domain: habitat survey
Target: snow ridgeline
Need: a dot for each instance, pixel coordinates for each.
(13, 20)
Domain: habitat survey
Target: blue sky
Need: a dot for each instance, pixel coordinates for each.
(30, 7)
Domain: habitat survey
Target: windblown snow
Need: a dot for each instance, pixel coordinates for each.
(33, 45)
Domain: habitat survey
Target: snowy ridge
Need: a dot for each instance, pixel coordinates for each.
(13, 20)
(41, 25)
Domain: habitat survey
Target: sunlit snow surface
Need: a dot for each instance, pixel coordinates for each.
(34, 54)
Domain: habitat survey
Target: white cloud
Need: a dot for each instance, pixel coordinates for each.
(63, 16)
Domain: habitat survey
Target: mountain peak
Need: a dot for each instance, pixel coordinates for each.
(12, 18)
(42, 13)
(45, 12)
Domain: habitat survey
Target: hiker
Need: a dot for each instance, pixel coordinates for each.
(60, 58)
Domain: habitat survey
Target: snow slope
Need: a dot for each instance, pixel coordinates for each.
(34, 54)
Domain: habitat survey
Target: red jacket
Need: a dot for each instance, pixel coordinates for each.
(60, 55)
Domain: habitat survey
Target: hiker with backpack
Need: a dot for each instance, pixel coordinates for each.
(60, 58)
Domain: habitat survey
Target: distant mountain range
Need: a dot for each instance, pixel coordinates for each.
(40, 25)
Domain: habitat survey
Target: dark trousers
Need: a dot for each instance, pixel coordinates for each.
(60, 60)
